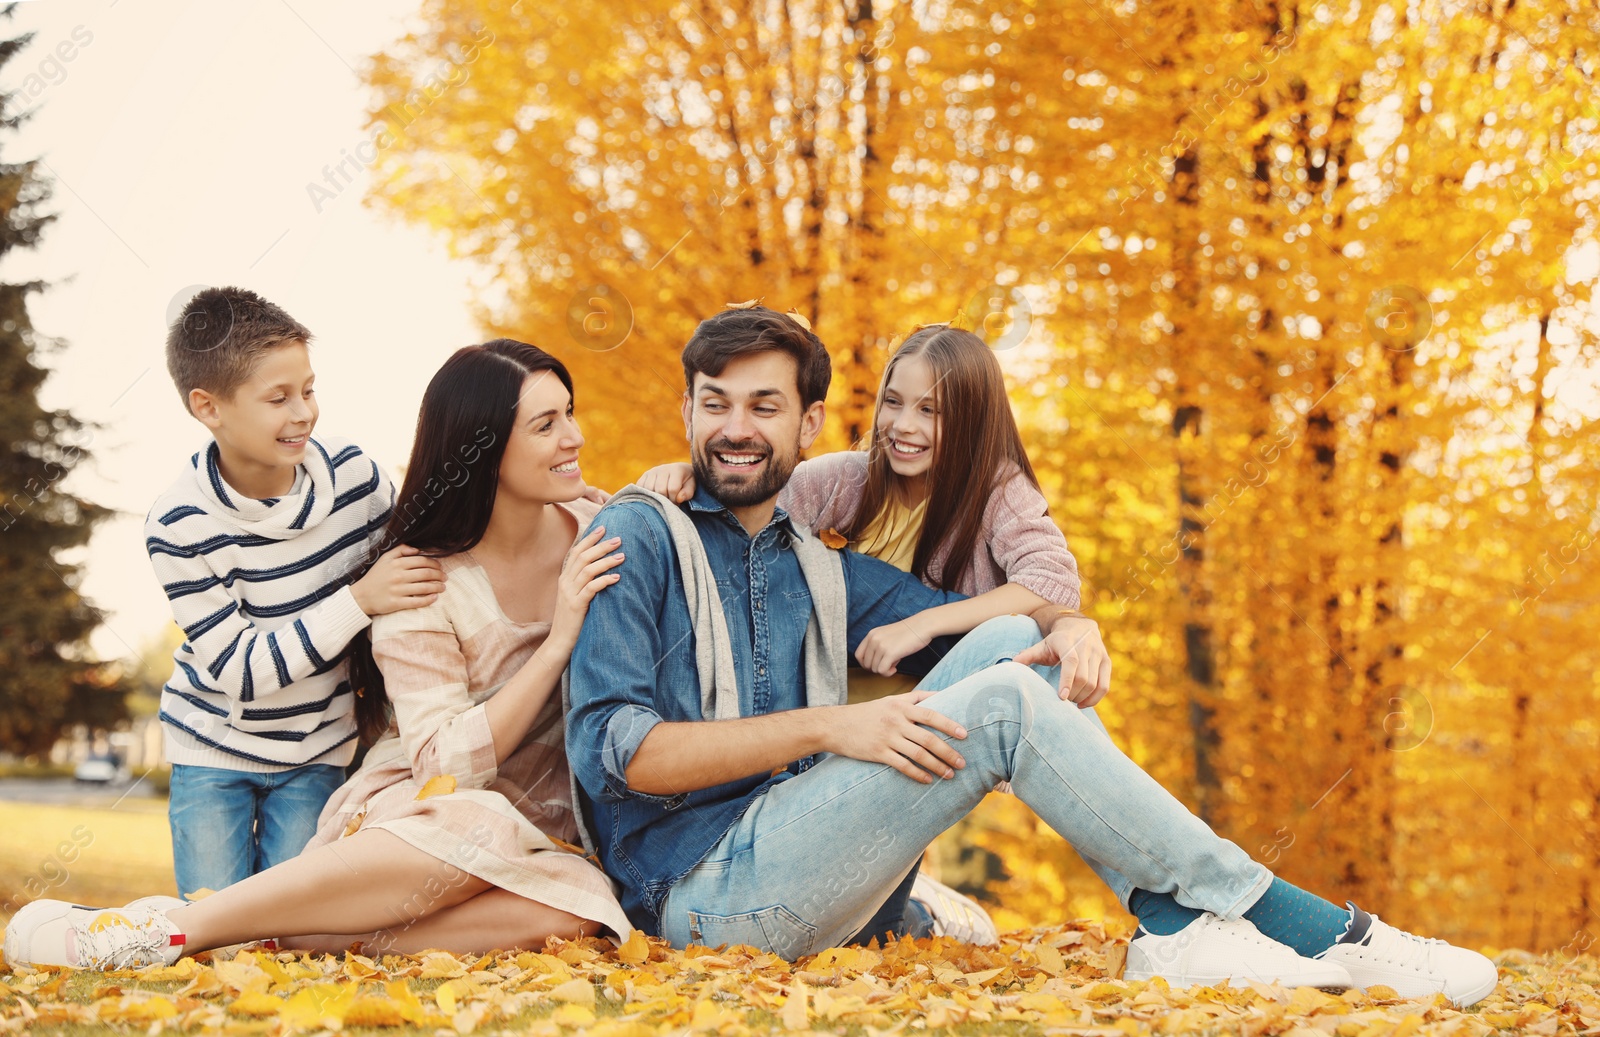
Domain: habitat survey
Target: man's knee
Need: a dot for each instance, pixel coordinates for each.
(998, 694)
(1008, 635)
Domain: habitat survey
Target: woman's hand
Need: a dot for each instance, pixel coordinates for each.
(883, 648)
(583, 575)
(673, 481)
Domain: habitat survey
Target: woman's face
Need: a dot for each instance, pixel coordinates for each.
(541, 459)
(908, 420)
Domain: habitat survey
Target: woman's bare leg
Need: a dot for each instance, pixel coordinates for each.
(361, 883)
(495, 919)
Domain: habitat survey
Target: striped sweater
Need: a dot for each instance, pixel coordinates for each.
(261, 589)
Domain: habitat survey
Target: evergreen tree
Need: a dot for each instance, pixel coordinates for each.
(48, 678)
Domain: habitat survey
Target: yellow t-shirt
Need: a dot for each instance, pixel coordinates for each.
(890, 537)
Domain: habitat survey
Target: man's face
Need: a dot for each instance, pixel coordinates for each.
(747, 427)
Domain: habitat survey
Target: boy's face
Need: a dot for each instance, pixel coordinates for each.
(267, 421)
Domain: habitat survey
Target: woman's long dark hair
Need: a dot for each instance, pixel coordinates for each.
(444, 505)
(977, 446)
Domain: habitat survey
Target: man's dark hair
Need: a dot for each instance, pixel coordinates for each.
(220, 337)
(735, 333)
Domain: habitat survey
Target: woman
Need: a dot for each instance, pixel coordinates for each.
(452, 833)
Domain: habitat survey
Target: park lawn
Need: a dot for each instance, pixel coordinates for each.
(1057, 981)
(1046, 981)
(89, 855)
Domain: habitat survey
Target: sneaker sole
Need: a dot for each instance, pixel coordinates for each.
(1472, 997)
(1333, 983)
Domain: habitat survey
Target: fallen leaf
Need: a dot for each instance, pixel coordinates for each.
(256, 1004)
(573, 1015)
(635, 950)
(748, 304)
(438, 785)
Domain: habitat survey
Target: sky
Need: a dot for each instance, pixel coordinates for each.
(181, 138)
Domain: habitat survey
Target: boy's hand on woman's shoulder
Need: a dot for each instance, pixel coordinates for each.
(401, 578)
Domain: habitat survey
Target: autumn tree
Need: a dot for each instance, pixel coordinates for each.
(1287, 298)
(51, 679)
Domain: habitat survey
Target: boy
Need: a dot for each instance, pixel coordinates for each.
(256, 546)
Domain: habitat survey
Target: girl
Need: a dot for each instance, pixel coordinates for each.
(452, 832)
(943, 490)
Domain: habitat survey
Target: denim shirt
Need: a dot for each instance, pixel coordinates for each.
(634, 666)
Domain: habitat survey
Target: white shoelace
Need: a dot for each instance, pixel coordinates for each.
(1399, 947)
(1243, 929)
(105, 943)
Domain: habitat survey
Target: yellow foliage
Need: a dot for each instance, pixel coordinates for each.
(1283, 296)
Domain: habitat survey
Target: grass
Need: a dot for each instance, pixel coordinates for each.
(92, 856)
(1053, 982)
(36, 770)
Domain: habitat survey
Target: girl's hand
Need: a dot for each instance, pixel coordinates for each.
(882, 649)
(673, 481)
(583, 575)
(1074, 644)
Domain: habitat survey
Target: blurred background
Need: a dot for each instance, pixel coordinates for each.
(1295, 301)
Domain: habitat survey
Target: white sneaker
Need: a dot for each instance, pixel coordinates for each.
(953, 914)
(52, 932)
(1413, 966)
(1212, 951)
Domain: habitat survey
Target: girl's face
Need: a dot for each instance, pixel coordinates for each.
(541, 459)
(908, 420)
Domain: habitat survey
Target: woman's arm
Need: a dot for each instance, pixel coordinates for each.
(425, 673)
(512, 710)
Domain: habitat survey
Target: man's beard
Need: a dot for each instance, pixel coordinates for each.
(743, 491)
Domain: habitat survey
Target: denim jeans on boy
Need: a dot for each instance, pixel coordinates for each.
(227, 825)
(814, 857)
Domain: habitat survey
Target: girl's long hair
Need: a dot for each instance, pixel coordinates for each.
(977, 446)
(444, 504)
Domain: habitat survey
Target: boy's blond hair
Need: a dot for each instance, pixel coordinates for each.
(221, 336)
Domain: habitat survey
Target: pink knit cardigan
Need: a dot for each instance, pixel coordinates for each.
(1018, 543)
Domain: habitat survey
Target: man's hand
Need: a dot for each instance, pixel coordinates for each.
(1074, 642)
(401, 578)
(897, 731)
(883, 648)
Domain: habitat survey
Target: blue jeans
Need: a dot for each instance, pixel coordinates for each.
(814, 857)
(227, 825)
(997, 641)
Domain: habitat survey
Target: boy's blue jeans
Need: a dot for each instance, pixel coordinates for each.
(227, 825)
(814, 857)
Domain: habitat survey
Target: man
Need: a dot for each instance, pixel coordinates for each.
(704, 693)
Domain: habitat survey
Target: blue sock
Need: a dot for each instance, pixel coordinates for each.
(1158, 913)
(1297, 919)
